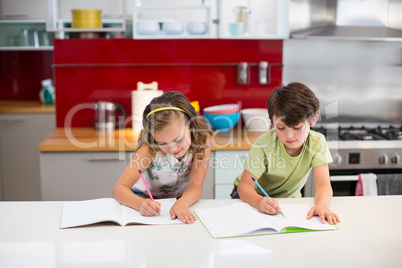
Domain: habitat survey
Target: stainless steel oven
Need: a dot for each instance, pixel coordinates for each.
(356, 149)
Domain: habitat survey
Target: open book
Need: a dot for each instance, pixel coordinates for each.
(79, 213)
(241, 219)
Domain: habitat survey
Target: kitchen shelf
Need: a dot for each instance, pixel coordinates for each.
(60, 25)
(29, 48)
(267, 19)
(171, 7)
(10, 34)
(151, 13)
(116, 26)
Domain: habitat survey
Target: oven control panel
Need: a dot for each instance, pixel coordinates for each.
(366, 159)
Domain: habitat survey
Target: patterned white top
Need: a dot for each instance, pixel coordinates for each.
(166, 177)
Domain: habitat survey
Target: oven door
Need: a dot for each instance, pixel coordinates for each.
(344, 182)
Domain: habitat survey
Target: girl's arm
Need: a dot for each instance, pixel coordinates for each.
(194, 189)
(248, 194)
(122, 189)
(323, 196)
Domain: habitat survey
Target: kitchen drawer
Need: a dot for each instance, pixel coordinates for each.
(80, 176)
(20, 134)
(228, 165)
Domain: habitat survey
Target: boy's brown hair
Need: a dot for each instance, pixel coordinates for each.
(293, 104)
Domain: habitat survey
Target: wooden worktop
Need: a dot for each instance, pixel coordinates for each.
(88, 139)
(25, 107)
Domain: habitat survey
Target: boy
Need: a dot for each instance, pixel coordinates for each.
(282, 158)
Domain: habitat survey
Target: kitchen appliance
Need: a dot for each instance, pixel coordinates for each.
(360, 148)
(369, 20)
(106, 115)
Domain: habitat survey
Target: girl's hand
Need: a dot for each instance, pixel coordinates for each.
(182, 213)
(149, 207)
(268, 206)
(323, 213)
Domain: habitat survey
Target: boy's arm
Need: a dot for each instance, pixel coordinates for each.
(249, 195)
(323, 195)
(323, 189)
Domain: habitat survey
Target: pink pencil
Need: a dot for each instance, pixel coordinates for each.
(146, 185)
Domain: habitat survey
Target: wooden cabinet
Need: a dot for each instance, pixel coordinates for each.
(227, 166)
(80, 175)
(20, 135)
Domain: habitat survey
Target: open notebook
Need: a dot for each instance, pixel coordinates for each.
(79, 213)
(241, 219)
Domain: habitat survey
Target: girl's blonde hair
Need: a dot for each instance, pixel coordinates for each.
(154, 121)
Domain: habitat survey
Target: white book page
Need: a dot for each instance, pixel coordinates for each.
(295, 216)
(78, 213)
(242, 219)
(131, 215)
(232, 220)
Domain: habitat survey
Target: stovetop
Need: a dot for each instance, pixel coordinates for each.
(362, 143)
(361, 133)
(363, 147)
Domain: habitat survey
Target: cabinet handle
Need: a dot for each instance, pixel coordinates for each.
(15, 16)
(344, 178)
(104, 158)
(13, 120)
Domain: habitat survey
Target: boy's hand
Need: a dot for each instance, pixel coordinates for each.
(182, 213)
(323, 213)
(149, 207)
(268, 206)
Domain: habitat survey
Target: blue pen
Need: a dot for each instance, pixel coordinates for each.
(259, 186)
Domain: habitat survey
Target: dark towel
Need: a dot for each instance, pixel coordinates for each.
(389, 184)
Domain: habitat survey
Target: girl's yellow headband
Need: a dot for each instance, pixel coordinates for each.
(165, 108)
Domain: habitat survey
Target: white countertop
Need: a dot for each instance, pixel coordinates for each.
(370, 235)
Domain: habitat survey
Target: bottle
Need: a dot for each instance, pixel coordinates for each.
(47, 93)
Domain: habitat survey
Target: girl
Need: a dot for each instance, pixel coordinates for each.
(173, 154)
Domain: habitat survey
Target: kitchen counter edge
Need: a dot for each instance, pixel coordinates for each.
(10, 107)
(90, 140)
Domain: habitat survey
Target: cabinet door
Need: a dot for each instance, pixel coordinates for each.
(254, 19)
(20, 135)
(208, 186)
(23, 9)
(80, 175)
(228, 165)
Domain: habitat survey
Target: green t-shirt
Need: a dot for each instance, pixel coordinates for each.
(279, 174)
